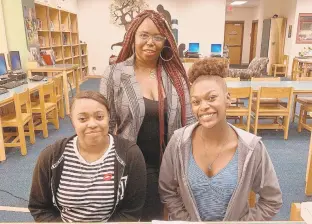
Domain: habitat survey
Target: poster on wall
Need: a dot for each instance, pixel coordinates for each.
(30, 26)
(31, 29)
(304, 32)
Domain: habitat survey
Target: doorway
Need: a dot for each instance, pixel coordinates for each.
(233, 38)
(253, 42)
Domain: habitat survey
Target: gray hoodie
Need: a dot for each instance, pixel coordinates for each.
(255, 172)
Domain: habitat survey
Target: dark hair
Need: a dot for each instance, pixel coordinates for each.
(92, 95)
(173, 67)
(208, 67)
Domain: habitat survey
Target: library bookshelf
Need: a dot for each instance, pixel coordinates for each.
(58, 30)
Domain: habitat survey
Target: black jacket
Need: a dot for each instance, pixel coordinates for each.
(129, 169)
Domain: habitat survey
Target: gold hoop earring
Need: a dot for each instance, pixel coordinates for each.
(162, 52)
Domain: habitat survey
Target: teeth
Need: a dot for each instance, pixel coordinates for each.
(207, 115)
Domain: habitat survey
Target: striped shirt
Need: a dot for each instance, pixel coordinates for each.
(212, 194)
(86, 190)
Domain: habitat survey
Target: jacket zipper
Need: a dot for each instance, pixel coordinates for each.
(53, 196)
(119, 181)
(115, 206)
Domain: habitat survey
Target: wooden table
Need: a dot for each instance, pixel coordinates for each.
(8, 98)
(305, 63)
(64, 69)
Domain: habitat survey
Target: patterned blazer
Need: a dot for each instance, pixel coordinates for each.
(127, 108)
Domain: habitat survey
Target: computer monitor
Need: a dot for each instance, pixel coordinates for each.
(216, 49)
(193, 48)
(3, 66)
(15, 60)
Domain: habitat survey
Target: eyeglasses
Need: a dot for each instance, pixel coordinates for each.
(156, 38)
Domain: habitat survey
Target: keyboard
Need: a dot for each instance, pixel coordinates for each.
(13, 84)
(3, 91)
(18, 71)
(37, 78)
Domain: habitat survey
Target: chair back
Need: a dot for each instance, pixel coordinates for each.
(296, 70)
(58, 85)
(240, 93)
(47, 93)
(231, 79)
(259, 66)
(276, 92)
(21, 101)
(270, 79)
(306, 78)
(285, 60)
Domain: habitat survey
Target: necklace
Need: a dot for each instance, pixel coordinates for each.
(152, 74)
(218, 155)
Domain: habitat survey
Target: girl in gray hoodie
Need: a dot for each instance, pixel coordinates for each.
(210, 167)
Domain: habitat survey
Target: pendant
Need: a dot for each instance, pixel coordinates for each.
(210, 173)
(209, 167)
(152, 74)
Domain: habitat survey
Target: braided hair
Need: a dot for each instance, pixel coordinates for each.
(173, 67)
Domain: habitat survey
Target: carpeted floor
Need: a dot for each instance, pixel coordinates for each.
(289, 158)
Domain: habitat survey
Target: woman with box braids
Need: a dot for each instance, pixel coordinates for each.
(149, 93)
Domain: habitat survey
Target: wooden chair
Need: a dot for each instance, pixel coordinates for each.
(265, 110)
(240, 110)
(267, 100)
(296, 69)
(233, 100)
(304, 115)
(252, 199)
(231, 79)
(303, 100)
(58, 85)
(261, 79)
(19, 120)
(283, 67)
(47, 105)
(295, 212)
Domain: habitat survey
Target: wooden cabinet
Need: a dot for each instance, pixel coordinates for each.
(273, 41)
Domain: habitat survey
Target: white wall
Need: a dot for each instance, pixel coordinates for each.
(247, 15)
(69, 5)
(292, 10)
(303, 6)
(267, 9)
(3, 40)
(289, 11)
(202, 22)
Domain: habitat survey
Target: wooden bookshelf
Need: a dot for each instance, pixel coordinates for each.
(58, 30)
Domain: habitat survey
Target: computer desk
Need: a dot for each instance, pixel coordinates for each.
(64, 69)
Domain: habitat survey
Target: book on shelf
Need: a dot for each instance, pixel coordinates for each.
(65, 39)
(48, 56)
(39, 24)
(51, 25)
(53, 41)
(41, 41)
